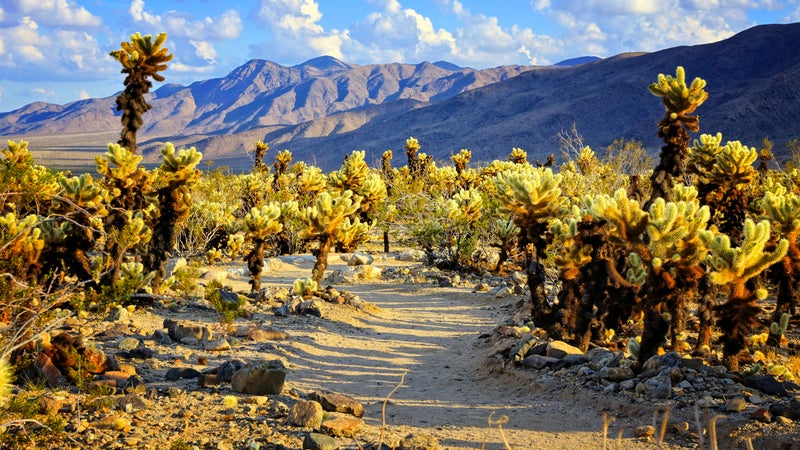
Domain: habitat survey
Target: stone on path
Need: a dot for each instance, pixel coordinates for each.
(264, 379)
(344, 426)
(306, 414)
(317, 441)
(334, 402)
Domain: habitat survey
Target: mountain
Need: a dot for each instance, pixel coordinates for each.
(325, 108)
(577, 61)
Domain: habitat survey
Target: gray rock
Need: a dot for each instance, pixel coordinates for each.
(184, 333)
(119, 314)
(317, 441)
(162, 337)
(360, 259)
(176, 373)
(538, 361)
(128, 343)
(264, 379)
(306, 414)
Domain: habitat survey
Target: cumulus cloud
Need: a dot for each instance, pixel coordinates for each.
(295, 32)
(55, 13)
(180, 25)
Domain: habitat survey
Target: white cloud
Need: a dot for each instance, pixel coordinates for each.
(205, 51)
(43, 92)
(84, 95)
(295, 33)
(180, 25)
(58, 13)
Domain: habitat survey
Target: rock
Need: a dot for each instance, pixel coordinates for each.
(560, 349)
(761, 415)
(735, 404)
(364, 273)
(317, 441)
(411, 256)
(344, 426)
(138, 353)
(766, 384)
(128, 343)
(621, 373)
(646, 431)
(784, 410)
(220, 345)
(228, 368)
(523, 347)
(120, 314)
(44, 365)
(360, 259)
(215, 275)
(179, 332)
(538, 361)
(481, 287)
(658, 387)
(208, 379)
(306, 414)
(176, 374)
(266, 334)
(419, 441)
(338, 403)
(264, 379)
(50, 405)
(162, 337)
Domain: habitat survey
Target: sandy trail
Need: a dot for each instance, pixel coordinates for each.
(433, 336)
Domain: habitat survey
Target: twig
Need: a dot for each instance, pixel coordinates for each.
(383, 408)
(607, 420)
(499, 422)
(712, 431)
(663, 429)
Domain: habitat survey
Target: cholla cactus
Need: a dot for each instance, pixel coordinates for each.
(261, 223)
(352, 174)
(518, 156)
(6, 377)
(130, 189)
(461, 159)
(141, 58)
(732, 267)
(680, 102)
(311, 182)
(466, 205)
(625, 216)
(21, 244)
(532, 197)
(235, 245)
(505, 233)
(323, 222)
(259, 152)
(305, 287)
(135, 278)
(179, 174)
(352, 233)
(783, 210)
(27, 187)
(412, 149)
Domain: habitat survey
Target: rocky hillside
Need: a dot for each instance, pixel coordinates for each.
(325, 108)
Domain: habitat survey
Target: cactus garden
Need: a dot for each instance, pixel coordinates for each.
(590, 301)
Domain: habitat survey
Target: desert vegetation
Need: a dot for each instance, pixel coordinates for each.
(702, 260)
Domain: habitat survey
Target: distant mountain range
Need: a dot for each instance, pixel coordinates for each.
(325, 108)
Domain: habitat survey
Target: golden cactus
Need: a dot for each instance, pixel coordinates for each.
(323, 221)
(679, 99)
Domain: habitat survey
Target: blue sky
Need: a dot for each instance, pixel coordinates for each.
(57, 50)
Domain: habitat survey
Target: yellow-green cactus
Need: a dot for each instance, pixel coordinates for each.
(627, 219)
(264, 221)
(352, 233)
(235, 245)
(21, 243)
(679, 99)
(323, 221)
(673, 231)
(733, 266)
(305, 287)
(352, 174)
(518, 156)
(141, 58)
(530, 195)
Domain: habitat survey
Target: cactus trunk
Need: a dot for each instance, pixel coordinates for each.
(325, 244)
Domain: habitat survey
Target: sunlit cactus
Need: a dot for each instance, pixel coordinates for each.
(783, 211)
(412, 149)
(142, 58)
(680, 102)
(235, 245)
(352, 174)
(532, 197)
(461, 159)
(323, 222)
(371, 193)
(505, 234)
(352, 233)
(311, 182)
(627, 219)
(135, 278)
(27, 187)
(574, 254)
(731, 267)
(466, 205)
(21, 244)
(259, 152)
(178, 173)
(518, 156)
(305, 288)
(261, 223)
(734, 165)
(282, 161)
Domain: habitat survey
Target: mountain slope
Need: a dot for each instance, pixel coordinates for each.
(325, 108)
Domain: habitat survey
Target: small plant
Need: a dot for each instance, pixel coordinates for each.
(777, 330)
(305, 287)
(228, 310)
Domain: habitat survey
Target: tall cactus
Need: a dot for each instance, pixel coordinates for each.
(323, 223)
(261, 223)
(532, 197)
(680, 102)
(141, 58)
(783, 210)
(732, 267)
(179, 174)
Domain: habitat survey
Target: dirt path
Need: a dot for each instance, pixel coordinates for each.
(433, 335)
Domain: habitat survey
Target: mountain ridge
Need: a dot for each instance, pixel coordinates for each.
(325, 108)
